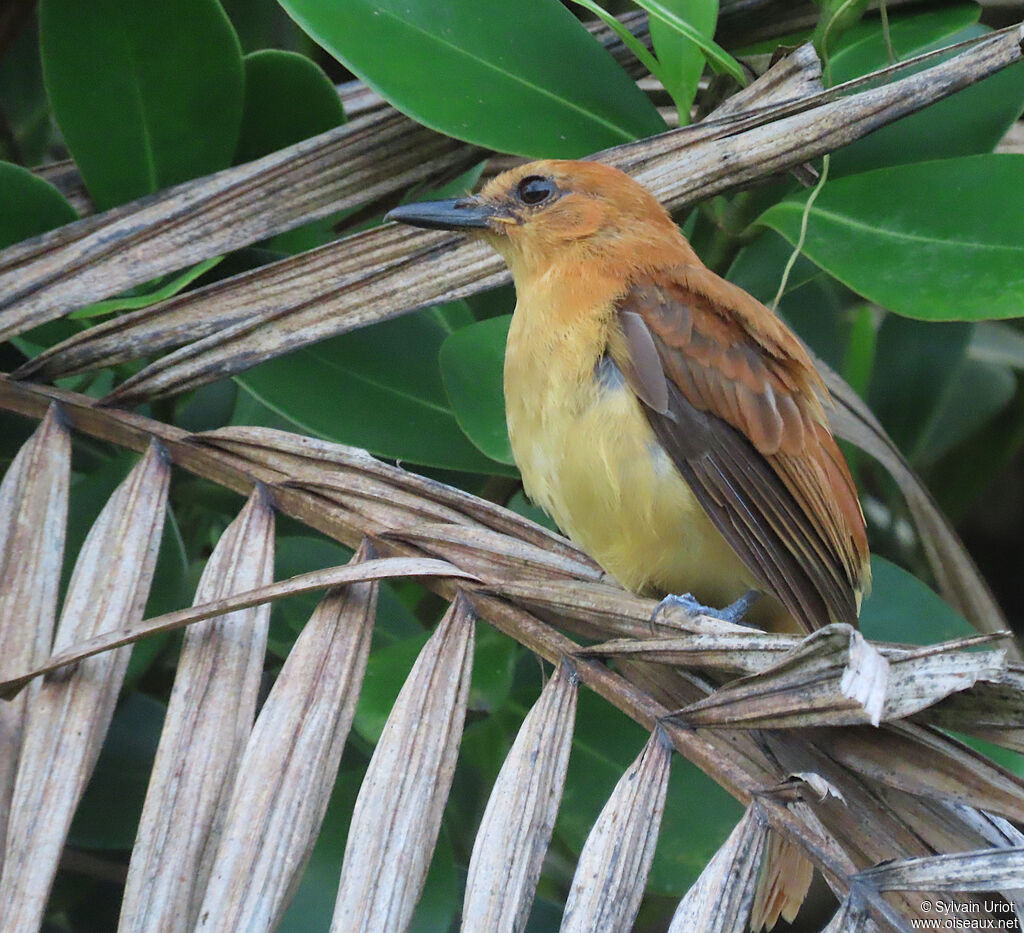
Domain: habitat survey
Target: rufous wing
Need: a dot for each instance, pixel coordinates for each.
(736, 402)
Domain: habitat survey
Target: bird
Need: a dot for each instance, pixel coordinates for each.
(673, 426)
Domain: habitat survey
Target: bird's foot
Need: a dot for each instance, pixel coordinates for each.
(734, 612)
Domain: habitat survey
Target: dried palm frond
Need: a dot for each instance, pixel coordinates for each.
(69, 713)
(208, 721)
(482, 547)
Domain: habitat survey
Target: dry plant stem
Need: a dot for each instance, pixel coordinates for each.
(397, 814)
(245, 453)
(716, 755)
(261, 597)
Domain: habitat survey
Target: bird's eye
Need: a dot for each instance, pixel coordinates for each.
(535, 190)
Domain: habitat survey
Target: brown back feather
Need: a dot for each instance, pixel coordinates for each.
(797, 524)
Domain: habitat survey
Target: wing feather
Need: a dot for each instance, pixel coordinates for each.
(745, 425)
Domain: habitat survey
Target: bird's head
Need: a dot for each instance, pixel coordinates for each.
(552, 210)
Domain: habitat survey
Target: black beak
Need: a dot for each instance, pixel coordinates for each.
(452, 214)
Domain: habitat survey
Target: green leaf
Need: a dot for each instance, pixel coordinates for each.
(108, 814)
(682, 60)
(313, 904)
(505, 76)
(288, 98)
(28, 205)
(758, 268)
(25, 106)
(379, 388)
(860, 351)
(938, 241)
(171, 286)
(916, 365)
(386, 671)
(171, 589)
(440, 898)
(472, 361)
(494, 662)
(976, 394)
(901, 608)
(995, 342)
(969, 122)
(629, 40)
(717, 57)
(699, 815)
(837, 16)
(862, 48)
(146, 94)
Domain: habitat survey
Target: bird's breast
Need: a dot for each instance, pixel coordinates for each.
(589, 457)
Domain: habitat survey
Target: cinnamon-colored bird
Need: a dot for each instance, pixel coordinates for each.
(672, 425)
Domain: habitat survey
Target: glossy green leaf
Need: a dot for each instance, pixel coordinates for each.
(699, 815)
(262, 23)
(758, 268)
(938, 241)
(637, 47)
(28, 205)
(472, 361)
(835, 19)
(108, 814)
(523, 77)
(681, 59)
(288, 98)
(146, 94)
(967, 123)
(901, 608)
(379, 388)
(1012, 761)
(717, 57)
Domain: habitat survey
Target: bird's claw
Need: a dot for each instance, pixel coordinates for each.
(733, 613)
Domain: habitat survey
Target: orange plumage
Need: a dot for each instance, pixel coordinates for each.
(672, 425)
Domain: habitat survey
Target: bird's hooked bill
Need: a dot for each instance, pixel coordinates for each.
(450, 214)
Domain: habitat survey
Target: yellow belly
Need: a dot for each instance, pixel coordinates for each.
(591, 460)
